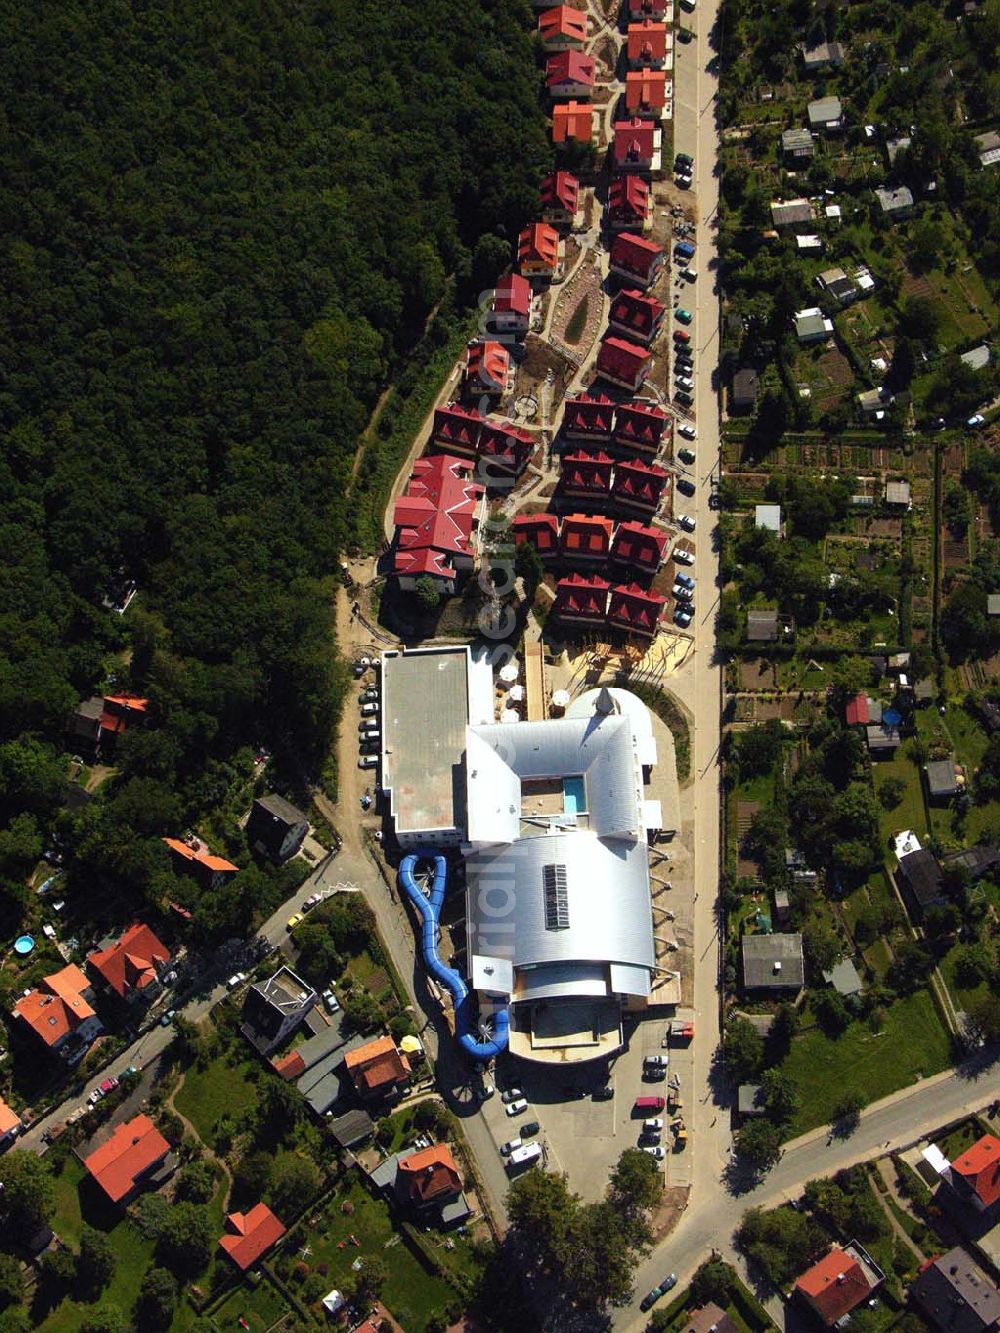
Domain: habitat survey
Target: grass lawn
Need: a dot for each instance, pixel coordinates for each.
(912, 1043)
(911, 812)
(222, 1088)
(261, 1306)
(961, 1137)
(133, 1255)
(412, 1295)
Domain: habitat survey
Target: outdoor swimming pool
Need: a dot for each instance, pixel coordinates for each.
(574, 796)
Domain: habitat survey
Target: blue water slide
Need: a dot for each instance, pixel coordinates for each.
(429, 907)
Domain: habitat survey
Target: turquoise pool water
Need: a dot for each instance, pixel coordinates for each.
(574, 796)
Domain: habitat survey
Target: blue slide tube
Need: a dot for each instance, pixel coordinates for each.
(429, 908)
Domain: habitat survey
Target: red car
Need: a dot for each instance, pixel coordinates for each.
(109, 1085)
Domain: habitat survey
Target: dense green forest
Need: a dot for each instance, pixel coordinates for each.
(222, 226)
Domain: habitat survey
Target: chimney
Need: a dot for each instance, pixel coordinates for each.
(777, 967)
(840, 1278)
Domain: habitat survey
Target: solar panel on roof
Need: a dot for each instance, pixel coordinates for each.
(556, 903)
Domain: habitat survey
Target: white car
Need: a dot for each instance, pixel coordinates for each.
(684, 557)
(236, 980)
(687, 522)
(368, 761)
(682, 594)
(369, 709)
(331, 1001)
(688, 431)
(658, 1153)
(511, 1095)
(518, 1107)
(507, 1148)
(975, 422)
(684, 382)
(655, 1123)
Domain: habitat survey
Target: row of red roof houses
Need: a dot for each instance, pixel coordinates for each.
(595, 419)
(435, 518)
(590, 602)
(592, 537)
(630, 483)
(502, 449)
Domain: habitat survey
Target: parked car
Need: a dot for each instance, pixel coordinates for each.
(517, 1108)
(685, 159)
(654, 1123)
(507, 1148)
(368, 761)
(681, 336)
(687, 430)
(511, 1095)
(95, 1096)
(685, 35)
(682, 618)
(293, 921)
(686, 581)
(603, 1094)
(659, 1061)
(331, 1001)
(670, 1281)
(683, 485)
(369, 709)
(683, 557)
(686, 455)
(976, 421)
(685, 399)
(685, 382)
(682, 594)
(656, 1151)
(687, 521)
(168, 1018)
(529, 1128)
(650, 1298)
(690, 274)
(683, 316)
(109, 1085)
(237, 979)
(370, 695)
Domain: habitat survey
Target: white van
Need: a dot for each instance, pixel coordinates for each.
(527, 1154)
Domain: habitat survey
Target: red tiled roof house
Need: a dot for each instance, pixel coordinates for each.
(636, 145)
(511, 311)
(837, 1284)
(250, 1235)
(209, 870)
(582, 600)
(541, 530)
(435, 519)
(132, 965)
(377, 1069)
(647, 44)
(636, 316)
(128, 1159)
(646, 9)
(538, 250)
(638, 485)
(624, 364)
(60, 1014)
(856, 712)
(639, 547)
(572, 122)
(560, 198)
(428, 1178)
(639, 426)
(456, 430)
(975, 1174)
(586, 476)
(563, 29)
(486, 367)
(588, 418)
(585, 537)
(629, 204)
(636, 259)
(646, 92)
(504, 452)
(570, 74)
(635, 610)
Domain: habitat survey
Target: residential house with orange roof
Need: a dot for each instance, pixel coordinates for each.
(582, 599)
(636, 259)
(435, 519)
(131, 966)
(646, 9)
(636, 145)
(647, 44)
(974, 1175)
(588, 417)
(194, 858)
(585, 537)
(538, 250)
(426, 1183)
(98, 721)
(250, 1235)
(487, 365)
(456, 429)
(541, 530)
(638, 485)
(377, 1069)
(559, 194)
(572, 122)
(10, 1125)
(511, 312)
(639, 426)
(586, 476)
(839, 1283)
(636, 316)
(59, 1011)
(634, 610)
(646, 92)
(135, 1155)
(623, 363)
(629, 204)
(638, 547)
(570, 74)
(504, 452)
(563, 28)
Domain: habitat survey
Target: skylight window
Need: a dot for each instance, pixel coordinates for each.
(556, 901)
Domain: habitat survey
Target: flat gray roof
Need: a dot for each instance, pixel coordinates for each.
(425, 709)
(773, 962)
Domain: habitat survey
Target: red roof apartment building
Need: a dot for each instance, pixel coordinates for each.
(646, 9)
(486, 366)
(504, 451)
(570, 74)
(511, 311)
(195, 859)
(839, 1282)
(560, 198)
(636, 259)
(636, 316)
(639, 426)
(638, 485)
(635, 610)
(572, 122)
(585, 537)
(435, 520)
(588, 418)
(646, 92)
(131, 966)
(538, 250)
(59, 1012)
(629, 200)
(456, 429)
(541, 530)
(250, 1235)
(634, 146)
(647, 44)
(975, 1175)
(563, 29)
(639, 547)
(127, 1160)
(428, 1177)
(582, 599)
(586, 476)
(624, 364)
